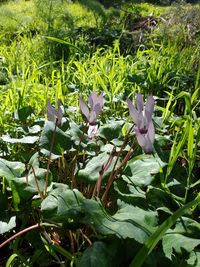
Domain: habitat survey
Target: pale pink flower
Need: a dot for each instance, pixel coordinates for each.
(54, 114)
(142, 117)
(96, 103)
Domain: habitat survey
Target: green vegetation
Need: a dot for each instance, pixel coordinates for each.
(68, 198)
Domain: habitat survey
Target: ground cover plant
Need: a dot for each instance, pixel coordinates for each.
(99, 134)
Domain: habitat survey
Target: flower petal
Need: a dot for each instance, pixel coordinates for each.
(93, 99)
(97, 109)
(59, 113)
(139, 102)
(92, 117)
(132, 110)
(92, 130)
(101, 99)
(142, 122)
(151, 132)
(84, 108)
(51, 112)
(150, 106)
(140, 138)
(148, 148)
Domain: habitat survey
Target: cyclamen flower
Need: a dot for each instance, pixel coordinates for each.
(53, 114)
(96, 103)
(142, 118)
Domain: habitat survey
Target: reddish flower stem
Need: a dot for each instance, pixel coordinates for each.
(35, 226)
(49, 160)
(113, 172)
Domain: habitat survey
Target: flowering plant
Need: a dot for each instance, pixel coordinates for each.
(142, 117)
(96, 103)
(54, 114)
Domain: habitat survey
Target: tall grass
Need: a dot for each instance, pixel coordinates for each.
(34, 77)
(34, 74)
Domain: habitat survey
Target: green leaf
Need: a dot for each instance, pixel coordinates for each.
(190, 144)
(61, 142)
(24, 140)
(27, 186)
(7, 223)
(62, 42)
(151, 242)
(186, 226)
(23, 113)
(96, 255)
(118, 225)
(145, 219)
(182, 238)
(141, 172)
(11, 169)
(194, 259)
(34, 161)
(91, 172)
(178, 243)
(112, 131)
(76, 134)
(72, 209)
(62, 204)
(160, 198)
(128, 191)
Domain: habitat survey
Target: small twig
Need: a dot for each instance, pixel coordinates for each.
(86, 238)
(37, 185)
(71, 237)
(20, 233)
(101, 173)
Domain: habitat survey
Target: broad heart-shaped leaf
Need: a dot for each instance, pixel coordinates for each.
(61, 142)
(183, 237)
(118, 225)
(72, 209)
(11, 169)
(6, 223)
(27, 186)
(179, 244)
(62, 205)
(112, 131)
(145, 219)
(96, 255)
(141, 171)
(91, 172)
(77, 135)
(23, 140)
(130, 194)
(159, 198)
(109, 252)
(151, 242)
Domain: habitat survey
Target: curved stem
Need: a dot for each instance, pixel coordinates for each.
(35, 226)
